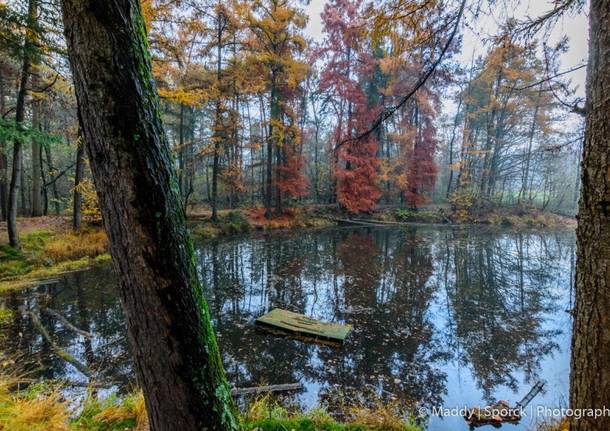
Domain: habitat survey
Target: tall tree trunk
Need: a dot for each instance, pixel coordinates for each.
(274, 118)
(218, 132)
(52, 179)
(36, 164)
(24, 196)
(590, 377)
(450, 162)
(16, 173)
(528, 154)
(3, 157)
(77, 211)
(45, 188)
(490, 131)
(181, 161)
(176, 357)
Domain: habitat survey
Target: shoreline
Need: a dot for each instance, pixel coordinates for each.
(51, 249)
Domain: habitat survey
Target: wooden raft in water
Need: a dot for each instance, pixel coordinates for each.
(295, 323)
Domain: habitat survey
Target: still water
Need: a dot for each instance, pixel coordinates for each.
(442, 317)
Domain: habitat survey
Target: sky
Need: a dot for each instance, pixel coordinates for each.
(575, 27)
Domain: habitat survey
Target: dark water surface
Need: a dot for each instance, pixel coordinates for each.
(442, 317)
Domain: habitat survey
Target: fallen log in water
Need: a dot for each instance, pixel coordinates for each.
(269, 388)
(382, 222)
(342, 221)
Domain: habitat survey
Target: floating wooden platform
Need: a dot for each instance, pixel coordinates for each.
(295, 323)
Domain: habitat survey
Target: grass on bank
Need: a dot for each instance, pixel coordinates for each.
(554, 425)
(41, 408)
(47, 253)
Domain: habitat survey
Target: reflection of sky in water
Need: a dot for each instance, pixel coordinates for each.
(441, 317)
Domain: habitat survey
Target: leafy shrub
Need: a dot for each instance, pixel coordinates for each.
(235, 222)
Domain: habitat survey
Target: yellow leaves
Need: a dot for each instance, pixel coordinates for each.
(89, 204)
(403, 23)
(194, 98)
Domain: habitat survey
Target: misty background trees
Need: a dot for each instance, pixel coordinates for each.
(258, 113)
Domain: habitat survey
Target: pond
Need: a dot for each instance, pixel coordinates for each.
(443, 317)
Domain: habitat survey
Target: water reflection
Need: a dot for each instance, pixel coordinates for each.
(423, 302)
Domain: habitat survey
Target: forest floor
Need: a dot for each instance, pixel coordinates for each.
(50, 248)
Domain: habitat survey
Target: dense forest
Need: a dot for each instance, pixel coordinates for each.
(143, 116)
(260, 115)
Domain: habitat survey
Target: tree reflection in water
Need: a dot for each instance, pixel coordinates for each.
(419, 299)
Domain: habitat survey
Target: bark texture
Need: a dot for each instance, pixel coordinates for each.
(590, 378)
(169, 326)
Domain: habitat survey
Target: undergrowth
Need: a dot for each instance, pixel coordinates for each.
(554, 425)
(264, 414)
(47, 253)
(43, 408)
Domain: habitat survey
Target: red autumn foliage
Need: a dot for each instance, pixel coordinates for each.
(421, 168)
(347, 70)
(291, 178)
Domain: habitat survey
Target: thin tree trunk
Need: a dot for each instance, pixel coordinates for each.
(176, 357)
(3, 157)
(528, 154)
(36, 165)
(24, 197)
(45, 188)
(590, 377)
(274, 117)
(77, 211)
(16, 174)
(49, 157)
(217, 118)
(450, 164)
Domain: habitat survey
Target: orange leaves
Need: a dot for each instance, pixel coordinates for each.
(291, 179)
(357, 189)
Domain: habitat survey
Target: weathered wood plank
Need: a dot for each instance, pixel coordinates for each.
(300, 324)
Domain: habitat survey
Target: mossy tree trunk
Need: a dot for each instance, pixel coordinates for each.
(590, 378)
(169, 326)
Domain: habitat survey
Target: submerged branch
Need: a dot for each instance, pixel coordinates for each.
(66, 323)
(58, 350)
